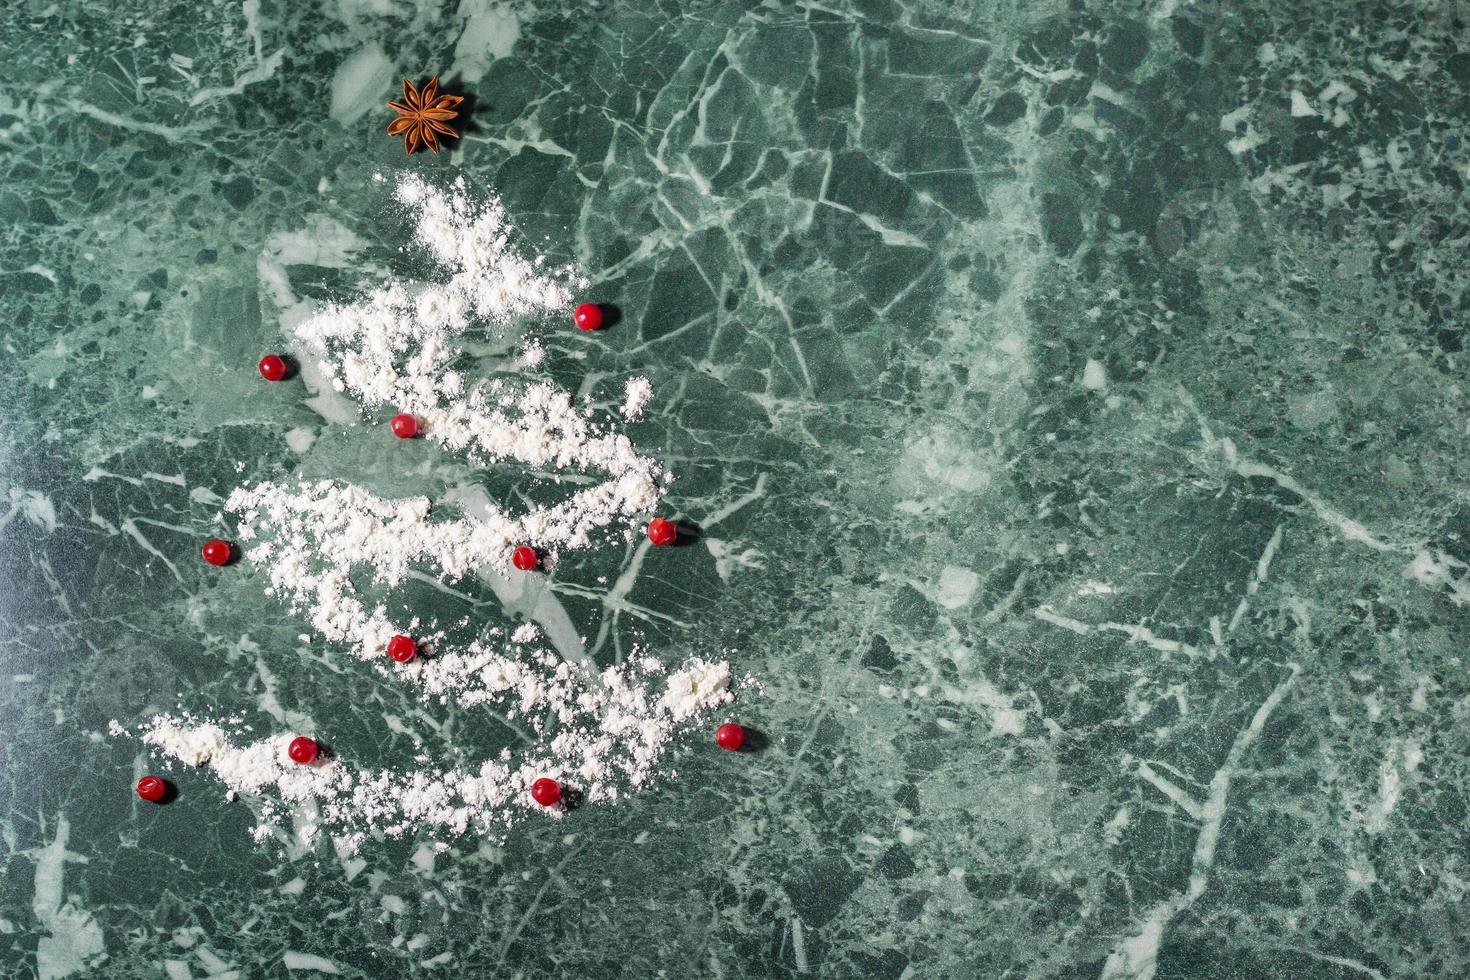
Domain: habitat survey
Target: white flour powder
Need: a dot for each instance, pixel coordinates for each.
(398, 347)
(636, 395)
(608, 737)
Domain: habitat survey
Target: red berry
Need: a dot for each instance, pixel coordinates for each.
(662, 531)
(588, 316)
(730, 736)
(303, 750)
(546, 792)
(404, 426)
(217, 552)
(152, 788)
(272, 368)
(402, 648)
(524, 558)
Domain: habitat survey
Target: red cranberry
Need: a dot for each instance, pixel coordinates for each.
(730, 736)
(152, 788)
(272, 367)
(402, 648)
(303, 750)
(546, 792)
(588, 316)
(404, 426)
(524, 558)
(662, 531)
(217, 552)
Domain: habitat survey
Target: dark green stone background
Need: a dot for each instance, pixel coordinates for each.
(869, 253)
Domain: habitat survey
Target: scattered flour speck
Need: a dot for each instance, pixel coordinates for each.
(636, 395)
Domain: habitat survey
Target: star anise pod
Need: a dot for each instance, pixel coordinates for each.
(422, 116)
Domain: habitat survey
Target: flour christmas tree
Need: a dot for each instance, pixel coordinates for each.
(398, 347)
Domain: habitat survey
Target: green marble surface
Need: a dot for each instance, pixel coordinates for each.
(1071, 395)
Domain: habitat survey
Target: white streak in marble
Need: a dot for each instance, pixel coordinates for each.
(1136, 957)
